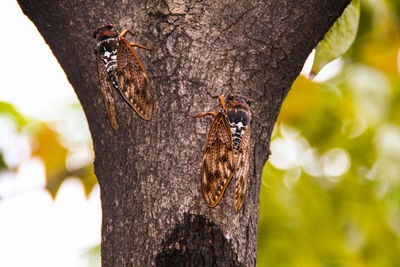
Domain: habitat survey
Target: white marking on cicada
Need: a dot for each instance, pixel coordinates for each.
(237, 130)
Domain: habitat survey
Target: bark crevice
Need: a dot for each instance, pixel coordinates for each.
(196, 242)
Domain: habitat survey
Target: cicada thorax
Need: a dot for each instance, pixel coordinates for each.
(107, 49)
(239, 117)
(239, 120)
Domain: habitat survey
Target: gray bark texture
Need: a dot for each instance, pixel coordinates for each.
(149, 171)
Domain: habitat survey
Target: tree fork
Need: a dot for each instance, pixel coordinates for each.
(149, 171)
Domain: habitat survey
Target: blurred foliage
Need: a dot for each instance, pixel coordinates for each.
(54, 156)
(333, 198)
(92, 256)
(7, 109)
(3, 165)
(45, 143)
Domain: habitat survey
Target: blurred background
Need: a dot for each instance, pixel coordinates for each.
(50, 213)
(330, 193)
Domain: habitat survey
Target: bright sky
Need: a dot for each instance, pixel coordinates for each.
(34, 229)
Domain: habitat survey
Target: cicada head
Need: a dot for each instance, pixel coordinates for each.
(105, 32)
(237, 101)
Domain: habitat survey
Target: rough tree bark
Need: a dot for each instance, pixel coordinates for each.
(149, 172)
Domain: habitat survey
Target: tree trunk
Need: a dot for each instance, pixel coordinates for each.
(149, 171)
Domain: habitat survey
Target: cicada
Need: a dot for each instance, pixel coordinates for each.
(227, 151)
(119, 67)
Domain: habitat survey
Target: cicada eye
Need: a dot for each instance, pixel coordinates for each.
(95, 33)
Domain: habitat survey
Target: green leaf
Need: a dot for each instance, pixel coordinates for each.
(9, 110)
(338, 39)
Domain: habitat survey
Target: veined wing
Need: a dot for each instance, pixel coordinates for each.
(133, 82)
(218, 161)
(242, 169)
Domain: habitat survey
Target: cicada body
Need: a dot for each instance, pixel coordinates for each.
(227, 151)
(120, 68)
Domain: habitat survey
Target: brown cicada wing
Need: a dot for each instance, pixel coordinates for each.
(132, 79)
(218, 161)
(242, 169)
(106, 88)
